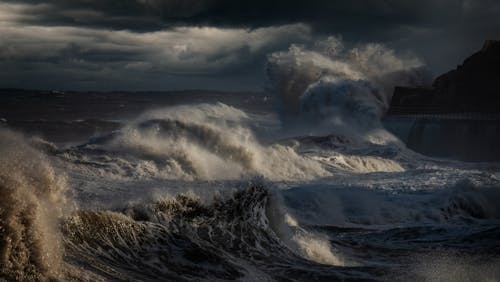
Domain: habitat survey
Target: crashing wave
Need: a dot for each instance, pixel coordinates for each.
(327, 88)
(212, 142)
(31, 206)
(181, 237)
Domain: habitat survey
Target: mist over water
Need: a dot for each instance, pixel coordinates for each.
(318, 191)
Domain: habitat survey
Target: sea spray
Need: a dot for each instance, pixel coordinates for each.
(32, 203)
(327, 85)
(210, 142)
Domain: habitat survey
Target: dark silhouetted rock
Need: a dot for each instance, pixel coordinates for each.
(473, 87)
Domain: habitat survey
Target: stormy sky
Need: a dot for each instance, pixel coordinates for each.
(217, 44)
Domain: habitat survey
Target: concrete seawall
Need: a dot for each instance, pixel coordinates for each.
(463, 136)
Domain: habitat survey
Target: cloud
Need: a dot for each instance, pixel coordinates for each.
(179, 50)
(344, 17)
(162, 38)
(44, 56)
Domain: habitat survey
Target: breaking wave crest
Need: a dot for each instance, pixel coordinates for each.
(210, 142)
(334, 89)
(177, 235)
(32, 203)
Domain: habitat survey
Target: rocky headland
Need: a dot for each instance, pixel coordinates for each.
(473, 87)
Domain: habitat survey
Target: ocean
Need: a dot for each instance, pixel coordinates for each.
(303, 182)
(212, 192)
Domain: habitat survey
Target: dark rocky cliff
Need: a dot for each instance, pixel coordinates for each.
(473, 87)
(458, 117)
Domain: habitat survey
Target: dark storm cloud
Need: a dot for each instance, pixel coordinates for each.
(358, 20)
(105, 41)
(324, 15)
(52, 56)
